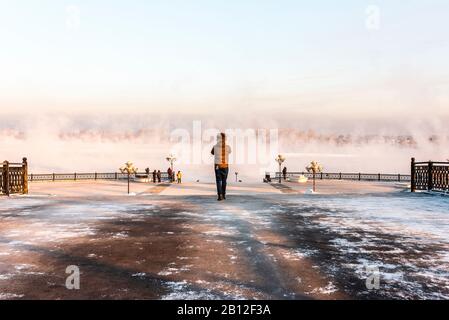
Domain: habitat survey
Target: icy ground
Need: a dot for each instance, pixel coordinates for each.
(179, 243)
(404, 235)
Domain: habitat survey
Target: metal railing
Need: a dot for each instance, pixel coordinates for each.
(381, 177)
(14, 178)
(430, 176)
(92, 176)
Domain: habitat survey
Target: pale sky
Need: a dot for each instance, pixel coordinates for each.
(200, 56)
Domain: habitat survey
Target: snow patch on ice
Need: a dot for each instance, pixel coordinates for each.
(327, 290)
(23, 267)
(120, 235)
(9, 296)
(6, 276)
(219, 233)
(172, 270)
(139, 274)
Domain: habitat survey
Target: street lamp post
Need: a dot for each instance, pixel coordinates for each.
(280, 160)
(314, 168)
(236, 177)
(129, 169)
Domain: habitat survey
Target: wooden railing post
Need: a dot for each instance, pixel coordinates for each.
(360, 176)
(95, 176)
(5, 173)
(413, 176)
(74, 176)
(53, 176)
(25, 175)
(430, 176)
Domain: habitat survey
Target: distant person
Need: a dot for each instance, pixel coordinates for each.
(170, 174)
(267, 178)
(284, 173)
(159, 176)
(154, 176)
(179, 177)
(221, 153)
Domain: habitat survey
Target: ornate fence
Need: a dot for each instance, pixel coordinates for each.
(430, 176)
(14, 178)
(350, 176)
(92, 176)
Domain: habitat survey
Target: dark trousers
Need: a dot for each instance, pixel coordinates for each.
(221, 176)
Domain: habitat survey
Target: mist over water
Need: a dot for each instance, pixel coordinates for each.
(102, 143)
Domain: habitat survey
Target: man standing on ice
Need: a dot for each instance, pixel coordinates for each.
(221, 152)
